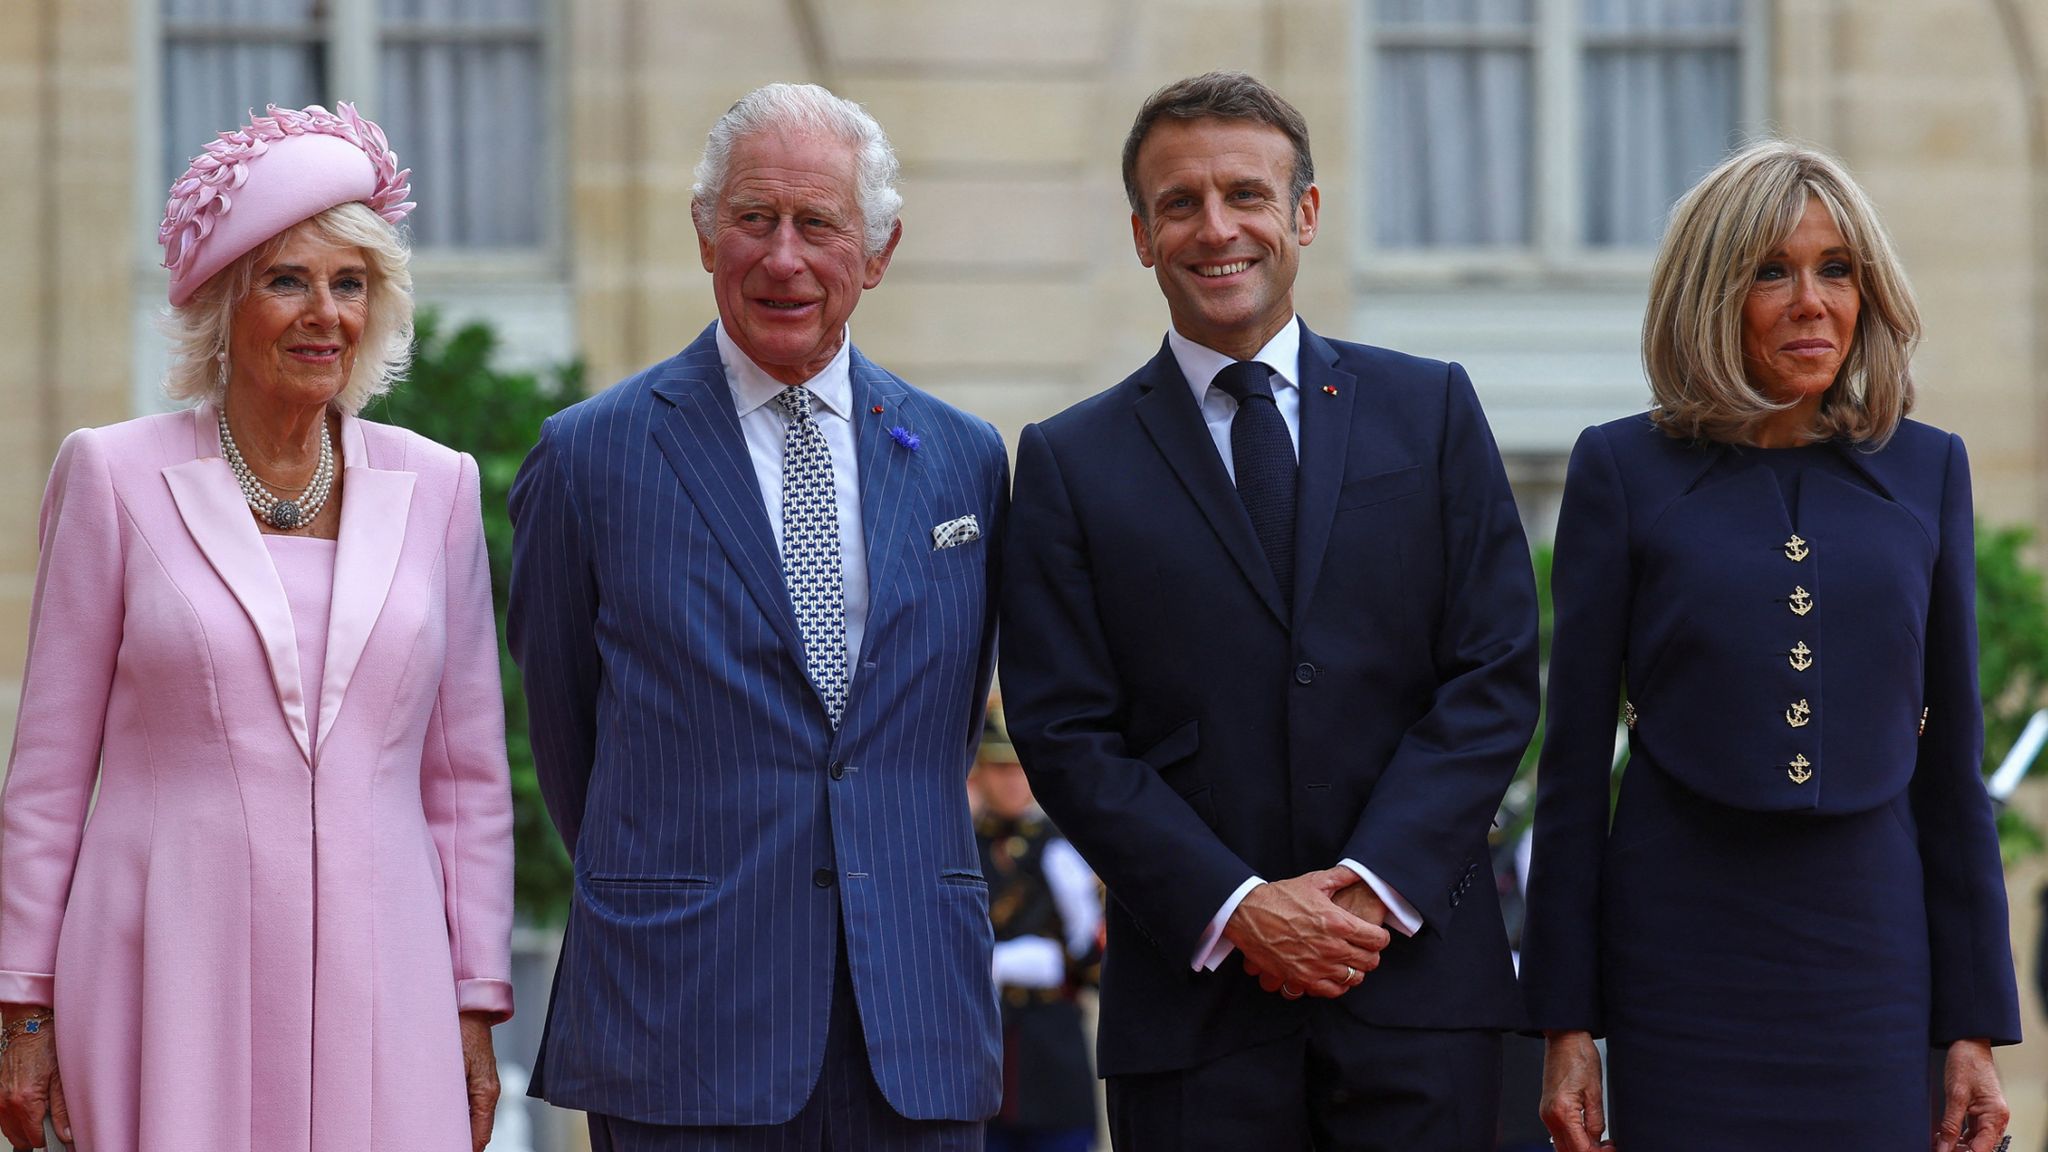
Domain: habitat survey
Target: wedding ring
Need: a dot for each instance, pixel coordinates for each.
(1352, 975)
(1289, 991)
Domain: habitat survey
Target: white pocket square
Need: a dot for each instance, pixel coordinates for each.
(954, 533)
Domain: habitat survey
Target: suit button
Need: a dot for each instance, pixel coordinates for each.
(1304, 673)
(838, 770)
(822, 877)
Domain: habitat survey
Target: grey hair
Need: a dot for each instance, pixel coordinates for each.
(807, 108)
(199, 329)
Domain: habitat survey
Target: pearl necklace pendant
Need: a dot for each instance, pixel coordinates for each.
(286, 514)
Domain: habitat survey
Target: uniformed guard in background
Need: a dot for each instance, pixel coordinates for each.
(1047, 910)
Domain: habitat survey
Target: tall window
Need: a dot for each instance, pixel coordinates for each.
(1561, 127)
(458, 85)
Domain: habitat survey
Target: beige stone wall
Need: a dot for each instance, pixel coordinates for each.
(66, 115)
(645, 80)
(1927, 105)
(1015, 291)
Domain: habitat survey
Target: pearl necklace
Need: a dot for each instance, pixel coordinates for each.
(280, 512)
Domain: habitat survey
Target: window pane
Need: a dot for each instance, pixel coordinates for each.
(444, 13)
(1655, 121)
(461, 86)
(1453, 166)
(1454, 13)
(224, 59)
(251, 14)
(1662, 15)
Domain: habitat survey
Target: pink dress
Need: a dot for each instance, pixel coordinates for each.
(256, 839)
(305, 566)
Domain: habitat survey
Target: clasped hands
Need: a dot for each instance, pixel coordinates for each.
(1317, 934)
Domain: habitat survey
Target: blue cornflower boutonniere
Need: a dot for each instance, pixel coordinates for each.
(905, 437)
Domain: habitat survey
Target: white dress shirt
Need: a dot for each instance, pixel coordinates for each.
(764, 425)
(1200, 365)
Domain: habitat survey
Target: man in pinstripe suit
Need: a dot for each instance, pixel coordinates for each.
(753, 598)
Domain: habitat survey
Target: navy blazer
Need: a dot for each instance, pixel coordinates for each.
(1186, 734)
(722, 832)
(1761, 677)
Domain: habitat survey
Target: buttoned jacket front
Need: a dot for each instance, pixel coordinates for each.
(1187, 726)
(729, 840)
(1769, 657)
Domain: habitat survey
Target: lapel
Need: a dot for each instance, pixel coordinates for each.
(891, 488)
(1168, 412)
(1867, 462)
(1325, 434)
(374, 508)
(211, 504)
(700, 436)
(375, 504)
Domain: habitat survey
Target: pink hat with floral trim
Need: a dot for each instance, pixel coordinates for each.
(255, 182)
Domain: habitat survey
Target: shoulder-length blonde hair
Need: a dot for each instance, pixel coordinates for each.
(1720, 233)
(198, 330)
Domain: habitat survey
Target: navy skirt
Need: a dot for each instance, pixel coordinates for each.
(1766, 976)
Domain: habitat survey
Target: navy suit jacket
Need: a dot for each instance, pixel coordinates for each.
(1186, 734)
(722, 832)
(1678, 590)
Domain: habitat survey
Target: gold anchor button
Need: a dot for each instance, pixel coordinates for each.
(1795, 549)
(1798, 714)
(1801, 657)
(1801, 600)
(1628, 714)
(1800, 770)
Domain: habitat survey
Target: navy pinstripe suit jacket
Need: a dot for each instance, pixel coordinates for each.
(721, 830)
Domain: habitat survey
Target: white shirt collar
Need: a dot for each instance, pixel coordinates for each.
(752, 387)
(1200, 363)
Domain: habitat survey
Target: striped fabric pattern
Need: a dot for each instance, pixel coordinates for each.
(721, 829)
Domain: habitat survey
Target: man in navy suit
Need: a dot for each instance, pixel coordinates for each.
(1272, 663)
(753, 600)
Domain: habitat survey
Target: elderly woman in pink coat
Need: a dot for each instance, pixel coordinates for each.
(255, 845)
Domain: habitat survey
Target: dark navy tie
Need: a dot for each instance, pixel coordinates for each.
(1262, 455)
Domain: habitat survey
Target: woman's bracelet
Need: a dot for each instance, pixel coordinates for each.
(33, 1024)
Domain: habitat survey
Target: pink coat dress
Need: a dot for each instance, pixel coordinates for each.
(257, 938)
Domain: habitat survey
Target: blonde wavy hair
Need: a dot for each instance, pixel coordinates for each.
(1720, 232)
(198, 330)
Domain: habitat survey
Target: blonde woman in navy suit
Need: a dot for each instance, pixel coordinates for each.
(1770, 575)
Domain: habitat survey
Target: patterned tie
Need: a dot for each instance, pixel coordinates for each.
(1262, 455)
(810, 548)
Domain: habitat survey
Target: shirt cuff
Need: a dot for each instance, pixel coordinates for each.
(1402, 916)
(1212, 950)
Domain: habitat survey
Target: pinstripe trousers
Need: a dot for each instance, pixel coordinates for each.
(846, 1111)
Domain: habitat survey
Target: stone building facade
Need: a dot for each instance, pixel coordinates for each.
(1015, 291)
